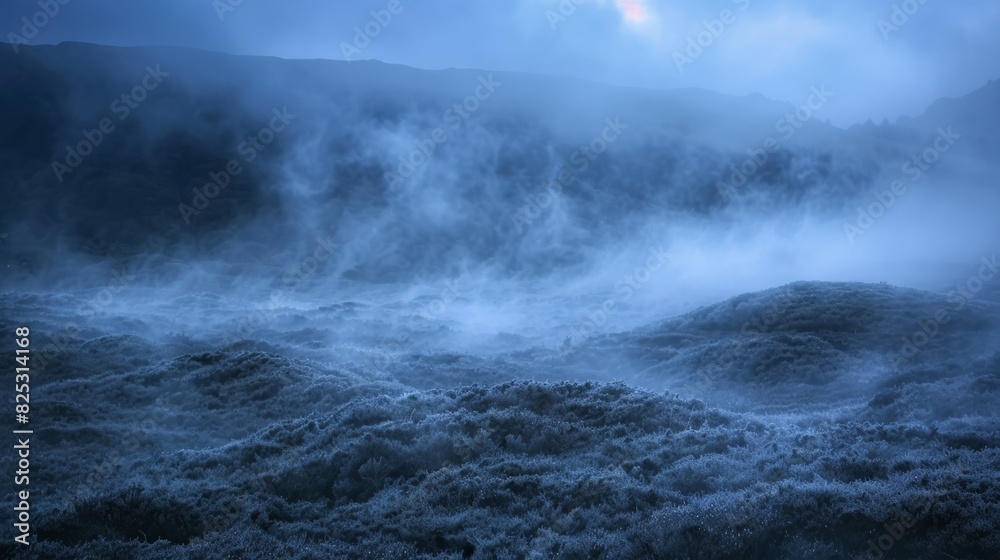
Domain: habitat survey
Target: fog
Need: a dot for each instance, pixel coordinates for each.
(541, 198)
(387, 284)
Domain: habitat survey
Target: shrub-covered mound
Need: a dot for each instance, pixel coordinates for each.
(804, 344)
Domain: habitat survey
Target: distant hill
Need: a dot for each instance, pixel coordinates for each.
(975, 116)
(536, 172)
(656, 154)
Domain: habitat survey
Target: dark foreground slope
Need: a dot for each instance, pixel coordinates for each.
(168, 446)
(528, 470)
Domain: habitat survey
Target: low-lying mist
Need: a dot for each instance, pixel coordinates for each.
(483, 203)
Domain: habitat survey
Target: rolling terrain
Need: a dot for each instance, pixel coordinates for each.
(561, 320)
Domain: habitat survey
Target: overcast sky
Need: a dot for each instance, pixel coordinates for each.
(780, 48)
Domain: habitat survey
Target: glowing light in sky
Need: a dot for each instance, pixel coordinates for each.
(633, 10)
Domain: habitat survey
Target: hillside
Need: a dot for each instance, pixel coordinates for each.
(315, 309)
(158, 180)
(276, 443)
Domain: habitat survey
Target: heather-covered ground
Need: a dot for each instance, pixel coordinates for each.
(180, 447)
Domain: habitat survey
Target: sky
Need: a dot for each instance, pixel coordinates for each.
(881, 58)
